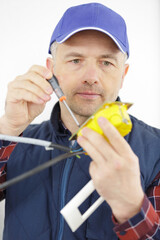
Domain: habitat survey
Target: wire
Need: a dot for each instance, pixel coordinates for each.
(38, 169)
(48, 145)
(77, 150)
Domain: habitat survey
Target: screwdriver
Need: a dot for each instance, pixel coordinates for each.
(59, 93)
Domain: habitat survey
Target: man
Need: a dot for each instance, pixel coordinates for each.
(89, 48)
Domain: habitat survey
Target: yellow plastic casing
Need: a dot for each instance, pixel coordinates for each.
(115, 112)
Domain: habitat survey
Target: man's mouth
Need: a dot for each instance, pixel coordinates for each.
(89, 95)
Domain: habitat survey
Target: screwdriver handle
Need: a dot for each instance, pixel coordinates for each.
(58, 91)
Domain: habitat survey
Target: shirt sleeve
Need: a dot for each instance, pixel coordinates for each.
(146, 224)
(6, 149)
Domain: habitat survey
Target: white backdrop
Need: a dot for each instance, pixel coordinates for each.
(25, 30)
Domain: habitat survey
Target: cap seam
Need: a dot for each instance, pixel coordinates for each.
(93, 28)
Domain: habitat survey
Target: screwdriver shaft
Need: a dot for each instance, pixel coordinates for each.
(68, 108)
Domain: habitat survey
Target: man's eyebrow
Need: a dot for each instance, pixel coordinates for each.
(110, 56)
(73, 54)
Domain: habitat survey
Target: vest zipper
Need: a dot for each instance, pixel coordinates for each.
(64, 183)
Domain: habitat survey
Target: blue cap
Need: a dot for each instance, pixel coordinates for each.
(92, 16)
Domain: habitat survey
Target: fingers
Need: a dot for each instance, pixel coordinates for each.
(32, 86)
(115, 150)
(42, 71)
(90, 148)
(38, 75)
(22, 94)
(96, 146)
(117, 142)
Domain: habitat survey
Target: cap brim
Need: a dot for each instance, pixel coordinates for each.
(64, 37)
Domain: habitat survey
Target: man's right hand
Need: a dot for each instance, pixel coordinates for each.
(26, 99)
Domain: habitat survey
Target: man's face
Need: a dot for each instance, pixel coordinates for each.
(90, 69)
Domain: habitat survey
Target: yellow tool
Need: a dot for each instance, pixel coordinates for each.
(115, 112)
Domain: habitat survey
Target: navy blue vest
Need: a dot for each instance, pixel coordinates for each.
(32, 210)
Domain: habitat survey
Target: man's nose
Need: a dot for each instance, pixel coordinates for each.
(91, 74)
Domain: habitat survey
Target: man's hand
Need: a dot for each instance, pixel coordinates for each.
(114, 170)
(26, 99)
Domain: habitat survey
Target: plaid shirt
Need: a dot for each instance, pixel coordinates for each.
(144, 225)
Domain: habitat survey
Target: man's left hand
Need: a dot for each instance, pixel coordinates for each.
(114, 170)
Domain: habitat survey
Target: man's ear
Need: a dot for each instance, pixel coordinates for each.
(50, 64)
(126, 67)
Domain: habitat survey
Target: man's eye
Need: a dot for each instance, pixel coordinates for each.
(75, 61)
(106, 63)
